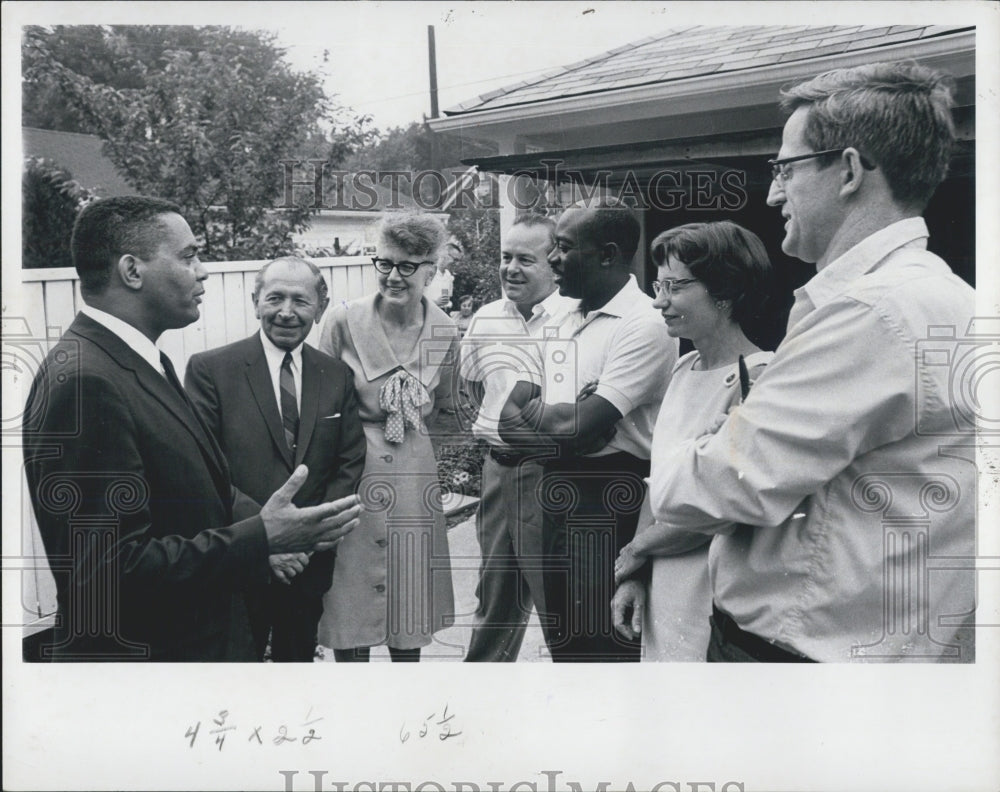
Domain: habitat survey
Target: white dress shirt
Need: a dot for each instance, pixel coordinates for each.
(275, 355)
(135, 340)
(500, 345)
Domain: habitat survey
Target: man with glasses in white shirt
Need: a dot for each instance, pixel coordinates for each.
(848, 467)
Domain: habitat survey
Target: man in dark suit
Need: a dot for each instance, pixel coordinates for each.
(249, 393)
(150, 545)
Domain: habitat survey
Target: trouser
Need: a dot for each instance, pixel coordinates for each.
(728, 643)
(362, 654)
(590, 509)
(509, 529)
(290, 613)
(294, 619)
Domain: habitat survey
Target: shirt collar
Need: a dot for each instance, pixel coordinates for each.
(551, 306)
(556, 304)
(275, 354)
(622, 302)
(831, 281)
(135, 340)
(372, 345)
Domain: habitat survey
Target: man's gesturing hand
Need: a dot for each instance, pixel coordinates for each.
(292, 530)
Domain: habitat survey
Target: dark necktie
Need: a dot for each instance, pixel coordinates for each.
(168, 370)
(289, 406)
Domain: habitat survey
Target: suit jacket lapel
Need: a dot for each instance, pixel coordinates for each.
(262, 388)
(311, 376)
(157, 386)
(161, 390)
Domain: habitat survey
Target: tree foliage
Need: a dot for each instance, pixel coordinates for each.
(50, 200)
(198, 115)
(478, 232)
(399, 148)
(413, 149)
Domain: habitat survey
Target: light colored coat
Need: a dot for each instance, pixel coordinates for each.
(392, 580)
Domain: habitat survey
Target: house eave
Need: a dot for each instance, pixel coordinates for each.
(953, 53)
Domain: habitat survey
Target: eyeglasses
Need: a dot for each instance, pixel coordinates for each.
(404, 268)
(671, 285)
(781, 173)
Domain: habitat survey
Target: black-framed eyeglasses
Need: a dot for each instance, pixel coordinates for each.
(671, 285)
(779, 167)
(404, 268)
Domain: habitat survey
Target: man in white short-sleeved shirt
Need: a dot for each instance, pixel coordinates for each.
(504, 337)
(595, 402)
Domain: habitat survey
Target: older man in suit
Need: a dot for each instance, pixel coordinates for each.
(274, 402)
(150, 544)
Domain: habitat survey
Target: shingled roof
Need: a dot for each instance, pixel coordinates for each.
(698, 51)
(79, 154)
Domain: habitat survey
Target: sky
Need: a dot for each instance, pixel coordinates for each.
(378, 62)
(378, 54)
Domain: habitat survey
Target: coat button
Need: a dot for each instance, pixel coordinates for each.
(380, 588)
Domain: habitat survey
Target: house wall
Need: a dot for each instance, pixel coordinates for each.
(352, 230)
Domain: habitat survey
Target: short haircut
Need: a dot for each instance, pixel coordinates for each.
(898, 115)
(535, 220)
(728, 259)
(109, 228)
(418, 234)
(611, 221)
(321, 289)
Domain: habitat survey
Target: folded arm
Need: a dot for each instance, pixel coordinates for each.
(526, 421)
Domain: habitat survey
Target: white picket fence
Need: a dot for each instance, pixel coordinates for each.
(50, 299)
(43, 306)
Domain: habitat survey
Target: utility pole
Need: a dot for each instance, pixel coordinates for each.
(432, 62)
(432, 59)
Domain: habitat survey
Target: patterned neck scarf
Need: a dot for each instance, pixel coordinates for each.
(401, 397)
